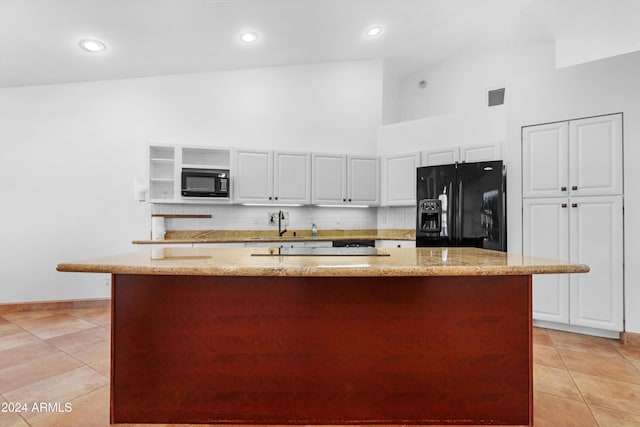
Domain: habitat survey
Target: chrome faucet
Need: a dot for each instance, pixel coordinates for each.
(280, 219)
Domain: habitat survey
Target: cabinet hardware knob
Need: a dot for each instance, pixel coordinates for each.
(276, 198)
(564, 205)
(563, 188)
(344, 200)
(349, 199)
(574, 188)
(270, 197)
(574, 205)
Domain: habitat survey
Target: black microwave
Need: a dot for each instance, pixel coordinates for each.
(205, 182)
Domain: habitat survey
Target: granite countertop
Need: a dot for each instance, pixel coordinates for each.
(399, 262)
(239, 236)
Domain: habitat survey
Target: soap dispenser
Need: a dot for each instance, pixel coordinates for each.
(314, 230)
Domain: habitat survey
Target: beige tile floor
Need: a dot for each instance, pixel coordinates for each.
(62, 356)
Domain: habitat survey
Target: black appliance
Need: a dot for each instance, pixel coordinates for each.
(357, 243)
(462, 204)
(205, 183)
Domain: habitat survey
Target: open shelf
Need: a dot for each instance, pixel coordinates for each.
(165, 168)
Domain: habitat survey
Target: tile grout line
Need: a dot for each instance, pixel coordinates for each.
(577, 387)
(64, 352)
(2, 396)
(617, 348)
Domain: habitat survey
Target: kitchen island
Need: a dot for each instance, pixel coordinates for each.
(247, 336)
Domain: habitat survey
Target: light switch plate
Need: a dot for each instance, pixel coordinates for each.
(273, 219)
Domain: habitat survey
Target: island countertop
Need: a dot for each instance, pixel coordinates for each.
(398, 262)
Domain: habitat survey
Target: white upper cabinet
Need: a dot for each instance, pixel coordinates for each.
(345, 180)
(264, 177)
(463, 153)
(292, 178)
(595, 155)
(329, 179)
(363, 180)
(575, 158)
(253, 177)
(444, 156)
(399, 179)
(545, 153)
(480, 153)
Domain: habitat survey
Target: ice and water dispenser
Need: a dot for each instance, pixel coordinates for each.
(430, 216)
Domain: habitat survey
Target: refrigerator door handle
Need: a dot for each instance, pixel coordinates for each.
(450, 229)
(460, 208)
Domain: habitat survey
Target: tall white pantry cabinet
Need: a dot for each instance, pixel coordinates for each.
(573, 210)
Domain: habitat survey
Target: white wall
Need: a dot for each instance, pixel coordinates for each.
(595, 88)
(480, 126)
(452, 110)
(390, 94)
(70, 152)
(461, 84)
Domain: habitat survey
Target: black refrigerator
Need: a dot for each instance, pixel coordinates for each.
(462, 204)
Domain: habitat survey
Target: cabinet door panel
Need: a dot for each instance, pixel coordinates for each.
(329, 179)
(292, 177)
(253, 176)
(545, 150)
(595, 146)
(445, 156)
(363, 180)
(546, 235)
(399, 180)
(596, 240)
(480, 153)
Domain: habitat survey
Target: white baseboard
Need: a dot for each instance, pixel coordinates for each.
(577, 329)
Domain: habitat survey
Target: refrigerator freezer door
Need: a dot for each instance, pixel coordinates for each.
(436, 183)
(481, 202)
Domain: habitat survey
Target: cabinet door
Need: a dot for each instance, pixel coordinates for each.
(253, 177)
(292, 178)
(595, 155)
(363, 180)
(445, 156)
(480, 153)
(597, 241)
(329, 179)
(546, 235)
(545, 150)
(399, 179)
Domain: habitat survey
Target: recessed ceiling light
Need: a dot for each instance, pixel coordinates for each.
(248, 37)
(92, 45)
(374, 31)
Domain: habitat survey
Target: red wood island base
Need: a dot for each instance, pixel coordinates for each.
(419, 336)
(316, 350)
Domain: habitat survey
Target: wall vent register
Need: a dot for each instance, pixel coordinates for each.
(495, 97)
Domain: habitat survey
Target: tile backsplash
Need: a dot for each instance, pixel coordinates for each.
(239, 217)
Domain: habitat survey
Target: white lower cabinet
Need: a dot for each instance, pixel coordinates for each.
(291, 244)
(395, 243)
(584, 230)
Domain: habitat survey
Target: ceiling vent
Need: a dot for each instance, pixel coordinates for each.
(495, 97)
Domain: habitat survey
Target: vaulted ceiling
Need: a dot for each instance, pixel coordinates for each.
(39, 38)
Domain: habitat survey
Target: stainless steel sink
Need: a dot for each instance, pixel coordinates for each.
(347, 251)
